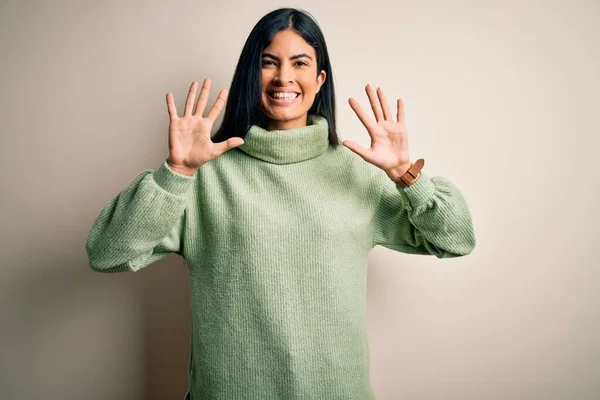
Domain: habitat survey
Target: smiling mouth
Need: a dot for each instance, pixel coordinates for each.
(287, 97)
(282, 100)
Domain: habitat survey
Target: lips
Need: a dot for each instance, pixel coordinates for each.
(271, 95)
(283, 101)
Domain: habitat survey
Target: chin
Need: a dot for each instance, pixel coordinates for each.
(282, 117)
(282, 114)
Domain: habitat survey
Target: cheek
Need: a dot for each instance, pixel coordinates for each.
(310, 94)
(265, 78)
(309, 88)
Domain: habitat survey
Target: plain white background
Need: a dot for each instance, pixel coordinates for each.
(501, 98)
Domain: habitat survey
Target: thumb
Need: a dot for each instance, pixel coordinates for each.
(355, 147)
(228, 145)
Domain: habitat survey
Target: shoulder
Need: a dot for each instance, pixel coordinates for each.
(357, 164)
(355, 171)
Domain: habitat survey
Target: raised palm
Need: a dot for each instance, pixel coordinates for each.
(190, 144)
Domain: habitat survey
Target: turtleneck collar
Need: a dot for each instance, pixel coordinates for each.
(288, 146)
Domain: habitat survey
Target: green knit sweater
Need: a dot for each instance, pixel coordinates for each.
(276, 234)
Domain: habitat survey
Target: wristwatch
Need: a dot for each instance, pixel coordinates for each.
(411, 175)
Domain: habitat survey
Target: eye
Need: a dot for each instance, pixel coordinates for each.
(267, 62)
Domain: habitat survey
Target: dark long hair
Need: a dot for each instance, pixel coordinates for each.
(243, 108)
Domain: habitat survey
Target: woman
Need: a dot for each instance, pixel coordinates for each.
(276, 220)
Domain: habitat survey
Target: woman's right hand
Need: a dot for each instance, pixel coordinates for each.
(190, 144)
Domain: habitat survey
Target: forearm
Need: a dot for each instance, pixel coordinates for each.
(429, 217)
(440, 216)
(133, 223)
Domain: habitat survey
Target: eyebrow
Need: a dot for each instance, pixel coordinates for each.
(291, 58)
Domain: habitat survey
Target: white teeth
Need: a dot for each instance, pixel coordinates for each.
(285, 95)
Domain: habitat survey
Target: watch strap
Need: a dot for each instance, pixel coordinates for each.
(411, 175)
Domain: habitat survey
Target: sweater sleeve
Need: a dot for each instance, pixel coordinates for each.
(429, 217)
(142, 224)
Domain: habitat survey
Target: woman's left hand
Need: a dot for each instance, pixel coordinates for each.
(389, 139)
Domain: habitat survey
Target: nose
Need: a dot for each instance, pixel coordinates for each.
(285, 74)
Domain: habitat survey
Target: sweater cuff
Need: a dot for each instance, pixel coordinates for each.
(419, 192)
(171, 181)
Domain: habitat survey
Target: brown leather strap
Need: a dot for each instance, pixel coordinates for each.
(411, 175)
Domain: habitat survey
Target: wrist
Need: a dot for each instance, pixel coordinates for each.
(181, 170)
(408, 175)
(397, 172)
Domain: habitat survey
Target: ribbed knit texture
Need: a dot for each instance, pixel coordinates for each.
(277, 235)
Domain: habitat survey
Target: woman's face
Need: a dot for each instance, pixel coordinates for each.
(289, 81)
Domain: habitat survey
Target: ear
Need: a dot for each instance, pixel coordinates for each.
(320, 80)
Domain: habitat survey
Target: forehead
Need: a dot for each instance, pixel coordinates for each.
(288, 42)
